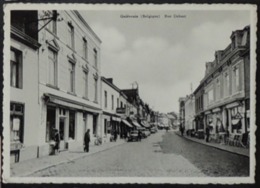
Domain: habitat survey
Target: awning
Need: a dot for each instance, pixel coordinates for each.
(49, 98)
(127, 123)
(116, 119)
(136, 124)
(145, 124)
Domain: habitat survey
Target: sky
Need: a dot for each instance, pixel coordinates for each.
(165, 56)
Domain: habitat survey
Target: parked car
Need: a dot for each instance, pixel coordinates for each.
(147, 132)
(153, 130)
(142, 131)
(133, 136)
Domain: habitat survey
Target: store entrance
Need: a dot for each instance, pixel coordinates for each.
(63, 145)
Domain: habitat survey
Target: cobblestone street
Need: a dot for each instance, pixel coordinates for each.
(160, 155)
(143, 159)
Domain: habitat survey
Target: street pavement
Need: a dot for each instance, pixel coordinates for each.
(211, 161)
(133, 159)
(160, 155)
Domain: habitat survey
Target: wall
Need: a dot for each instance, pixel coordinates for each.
(28, 95)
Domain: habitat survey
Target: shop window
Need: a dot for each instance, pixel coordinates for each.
(72, 125)
(50, 124)
(16, 68)
(105, 126)
(16, 122)
(94, 126)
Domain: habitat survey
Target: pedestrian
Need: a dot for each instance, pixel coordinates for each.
(207, 134)
(115, 135)
(57, 141)
(182, 130)
(86, 141)
(139, 135)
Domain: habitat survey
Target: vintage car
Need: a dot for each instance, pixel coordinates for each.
(133, 136)
(153, 130)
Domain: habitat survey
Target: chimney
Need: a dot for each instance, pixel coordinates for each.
(110, 80)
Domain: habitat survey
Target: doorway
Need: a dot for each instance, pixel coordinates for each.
(62, 134)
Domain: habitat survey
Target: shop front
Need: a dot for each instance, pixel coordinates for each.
(71, 119)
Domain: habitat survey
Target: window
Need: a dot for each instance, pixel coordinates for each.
(226, 84)
(50, 123)
(117, 104)
(72, 125)
(85, 48)
(105, 99)
(96, 88)
(16, 122)
(71, 77)
(95, 58)
(71, 37)
(105, 126)
(85, 80)
(16, 69)
(236, 85)
(52, 67)
(218, 89)
(210, 96)
(112, 101)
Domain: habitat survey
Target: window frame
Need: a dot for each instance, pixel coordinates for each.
(71, 31)
(18, 70)
(19, 115)
(72, 83)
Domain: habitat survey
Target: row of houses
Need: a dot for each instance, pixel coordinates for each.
(56, 83)
(222, 99)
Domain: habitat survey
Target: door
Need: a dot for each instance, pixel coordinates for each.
(62, 134)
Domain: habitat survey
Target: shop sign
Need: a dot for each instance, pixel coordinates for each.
(120, 110)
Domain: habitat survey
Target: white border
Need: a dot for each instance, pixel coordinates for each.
(113, 7)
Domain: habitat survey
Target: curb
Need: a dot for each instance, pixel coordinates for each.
(67, 160)
(213, 146)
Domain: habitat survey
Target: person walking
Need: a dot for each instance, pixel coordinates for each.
(86, 141)
(115, 135)
(57, 141)
(207, 134)
(139, 135)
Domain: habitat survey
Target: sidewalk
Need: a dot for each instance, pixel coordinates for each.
(232, 149)
(25, 168)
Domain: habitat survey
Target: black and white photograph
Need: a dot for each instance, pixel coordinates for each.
(105, 93)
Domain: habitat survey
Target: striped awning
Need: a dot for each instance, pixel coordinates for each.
(127, 123)
(136, 124)
(145, 124)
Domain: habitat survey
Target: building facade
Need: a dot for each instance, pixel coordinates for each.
(24, 106)
(55, 81)
(226, 86)
(69, 80)
(189, 112)
(110, 97)
(182, 111)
